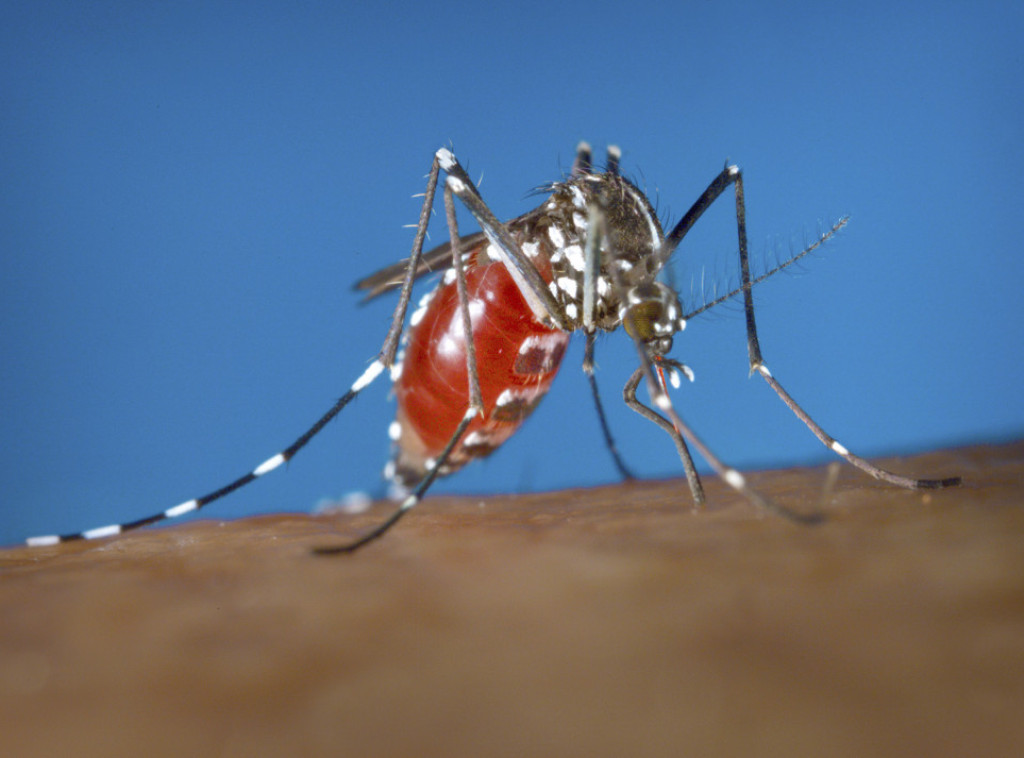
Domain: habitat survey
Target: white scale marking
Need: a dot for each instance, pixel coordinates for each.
(445, 158)
(457, 185)
(371, 373)
(556, 236)
(394, 431)
(734, 478)
(546, 342)
(269, 465)
(507, 397)
(531, 249)
(567, 285)
(574, 253)
(102, 531)
(48, 539)
(450, 276)
(571, 310)
(182, 509)
(577, 198)
(839, 448)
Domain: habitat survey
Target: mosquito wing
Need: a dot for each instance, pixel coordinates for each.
(435, 259)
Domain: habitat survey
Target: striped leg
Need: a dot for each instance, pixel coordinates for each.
(475, 408)
(731, 175)
(679, 429)
(629, 395)
(384, 359)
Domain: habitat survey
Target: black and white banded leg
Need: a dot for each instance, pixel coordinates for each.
(629, 396)
(731, 175)
(678, 429)
(384, 359)
(475, 404)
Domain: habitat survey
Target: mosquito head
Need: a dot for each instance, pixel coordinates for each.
(651, 314)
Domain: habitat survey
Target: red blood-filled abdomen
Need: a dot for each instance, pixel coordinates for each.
(517, 359)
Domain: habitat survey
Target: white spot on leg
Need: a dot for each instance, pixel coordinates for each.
(180, 510)
(43, 541)
(456, 184)
(445, 158)
(661, 400)
(371, 373)
(839, 448)
(734, 478)
(269, 465)
(102, 531)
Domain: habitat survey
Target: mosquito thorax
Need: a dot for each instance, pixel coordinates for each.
(630, 237)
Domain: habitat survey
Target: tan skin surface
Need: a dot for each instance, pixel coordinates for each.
(613, 621)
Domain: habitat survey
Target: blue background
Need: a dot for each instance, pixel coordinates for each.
(190, 189)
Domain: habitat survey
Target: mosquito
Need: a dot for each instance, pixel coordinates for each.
(483, 347)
